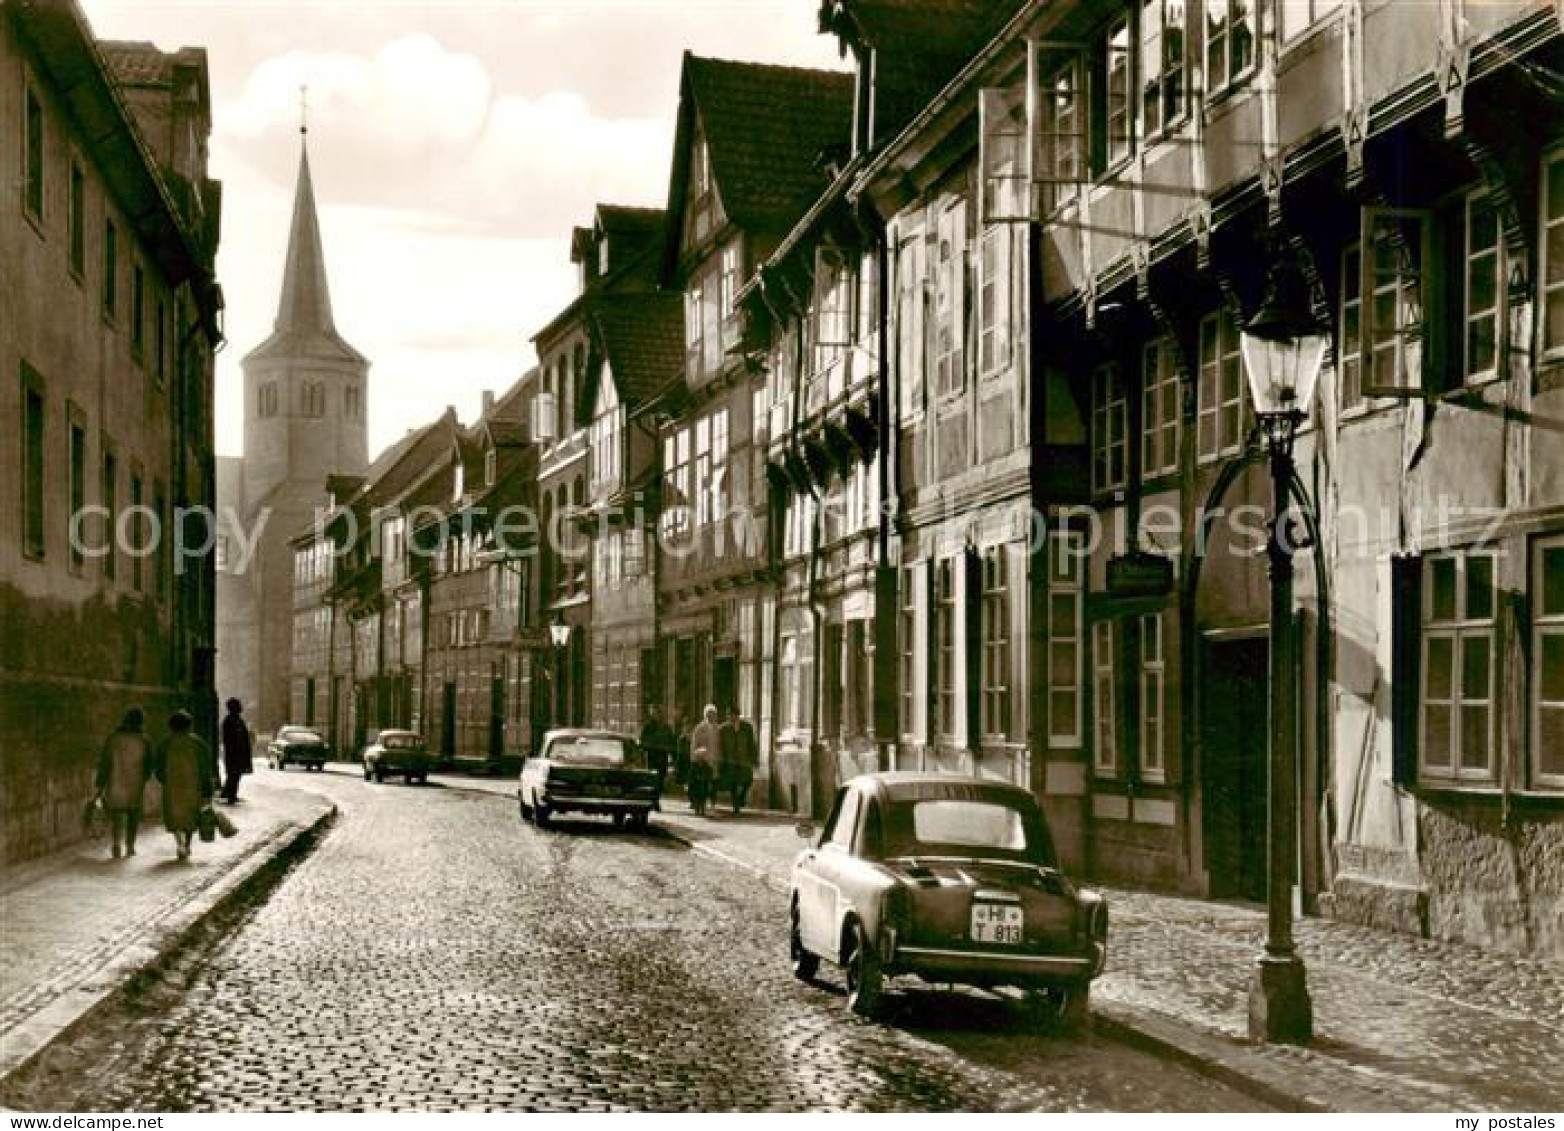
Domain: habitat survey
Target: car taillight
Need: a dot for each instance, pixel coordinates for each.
(1092, 916)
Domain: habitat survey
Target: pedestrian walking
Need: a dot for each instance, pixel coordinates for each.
(681, 749)
(658, 742)
(124, 764)
(184, 765)
(705, 752)
(237, 751)
(740, 754)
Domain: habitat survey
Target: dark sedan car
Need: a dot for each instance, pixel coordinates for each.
(398, 752)
(949, 878)
(297, 746)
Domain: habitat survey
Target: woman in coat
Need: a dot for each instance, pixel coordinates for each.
(124, 764)
(184, 766)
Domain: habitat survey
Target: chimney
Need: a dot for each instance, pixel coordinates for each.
(488, 401)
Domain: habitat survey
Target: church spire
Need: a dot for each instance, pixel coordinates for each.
(304, 325)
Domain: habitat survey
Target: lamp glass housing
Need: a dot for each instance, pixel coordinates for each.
(559, 634)
(1282, 368)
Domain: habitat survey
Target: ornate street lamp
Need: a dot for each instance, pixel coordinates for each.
(1283, 346)
(559, 636)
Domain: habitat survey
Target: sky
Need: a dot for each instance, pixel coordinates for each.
(453, 145)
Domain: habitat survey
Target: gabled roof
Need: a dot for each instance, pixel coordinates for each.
(305, 327)
(764, 126)
(642, 339)
(634, 272)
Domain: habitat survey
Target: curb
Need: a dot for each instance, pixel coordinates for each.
(1207, 1055)
(145, 959)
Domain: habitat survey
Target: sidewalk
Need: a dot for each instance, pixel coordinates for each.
(77, 926)
(1400, 1023)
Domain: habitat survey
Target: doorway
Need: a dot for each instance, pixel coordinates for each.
(724, 683)
(448, 720)
(1234, 747)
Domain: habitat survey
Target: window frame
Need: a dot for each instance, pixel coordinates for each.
(996, 675)
(995, 258)
(1106, 754)
(1218, 87)
(110, 295)
(1159, 434)
(1220, 330)
(1551, 165)
(1458, 629)
(1005, 156)
(1350, 373)
(1544, 624)
(1067, 580)
(1494, 314)
(949, 314)
(34, 451)
(1171, 113)
(76, 219)
(1118, 109)
(945, 698)
(35, 147)
(1318, 12)
(1110, 429)
(1372, 291)
(76, 485)
(1152, 685)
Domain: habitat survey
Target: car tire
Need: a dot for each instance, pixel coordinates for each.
(521, 807)
(620, 818)
(805, 965)
(865, 980)
(640, 822)
(380, 776)
(540, 814)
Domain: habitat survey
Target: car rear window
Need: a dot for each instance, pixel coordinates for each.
(597, 751)
(401, 742)
(971, 827)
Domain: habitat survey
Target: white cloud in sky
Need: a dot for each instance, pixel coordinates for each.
(453, 147)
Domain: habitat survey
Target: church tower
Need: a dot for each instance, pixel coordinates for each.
(305, 419)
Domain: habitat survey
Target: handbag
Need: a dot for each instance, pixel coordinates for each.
(225, 824)
(206, 824)
(94, 821)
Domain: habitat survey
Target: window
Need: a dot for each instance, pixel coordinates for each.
(1484, 280)
(1458, 677)
(1118, 89)
(109, 490)
(717, 483)
(312, 398)
(702, 471)
(1349, 349)
(32, 193)
(1222, 411)
(1110, 428)
(160, 343)
(1162, 65)
(266, 400)
(1104, 699)
(1393, 291)
(907, 650)
(950, 298)
(996, 643)
(161, 557)
(110, 268)
(910, 302)
(1153, 683)
(1007, 188)
(945, 646)
(1230, 28)
(1066, 592)
(1297, 16)
(703, 202)
(1161, 410)
(33, 440)
(137, 532)
(1547, 722)
(138, 310)
(731, 280)
(833, 310)
(352, 404)
(994, 301)
(676, 475)
(76, 218)
(1062, 159)
(1551, 314)
(76, 458)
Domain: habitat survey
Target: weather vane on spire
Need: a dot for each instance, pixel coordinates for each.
(304, 110)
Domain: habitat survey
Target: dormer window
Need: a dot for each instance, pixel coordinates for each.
(458, 484)
(491, 465)
(602, 256)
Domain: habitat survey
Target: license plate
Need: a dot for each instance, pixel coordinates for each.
(999, 923)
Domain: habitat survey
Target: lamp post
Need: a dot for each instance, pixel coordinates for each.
(1283, 346)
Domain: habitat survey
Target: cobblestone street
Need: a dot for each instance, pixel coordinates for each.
(436, 953)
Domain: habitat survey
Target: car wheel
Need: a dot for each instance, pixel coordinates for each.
(368, 773)
(521, 806)
(410, 778)
(619, 819)
(380, 776)
(805, 965)
(540, 814)
(865, 981)
(640, 821)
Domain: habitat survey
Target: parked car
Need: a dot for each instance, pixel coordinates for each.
(296, 745)
(588, 771)
(949, 878)
(398, 752)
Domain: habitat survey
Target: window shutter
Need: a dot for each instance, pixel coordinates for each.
(1406, 606)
